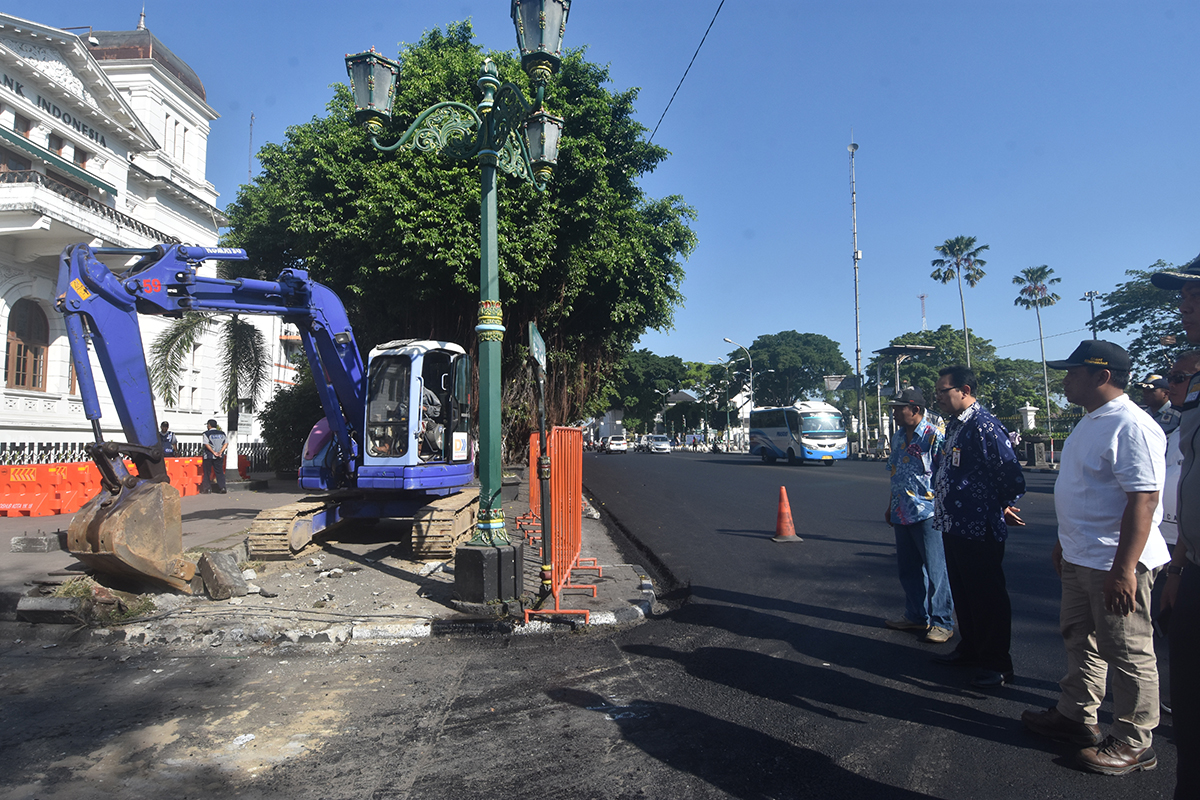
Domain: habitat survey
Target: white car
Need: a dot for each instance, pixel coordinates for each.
(660, 444)
(616, 444)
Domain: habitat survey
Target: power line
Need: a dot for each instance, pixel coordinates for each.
(1051, 336)
(685, 72)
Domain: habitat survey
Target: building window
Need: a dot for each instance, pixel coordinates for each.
(21, 125)
(81, 157)
(55, 144)
(11, 162)
(28, 339)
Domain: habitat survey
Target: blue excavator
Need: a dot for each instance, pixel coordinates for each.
(394, 443)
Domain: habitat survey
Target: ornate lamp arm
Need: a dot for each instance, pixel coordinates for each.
(491, 133)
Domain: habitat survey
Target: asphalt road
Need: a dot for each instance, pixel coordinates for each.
(771, 677)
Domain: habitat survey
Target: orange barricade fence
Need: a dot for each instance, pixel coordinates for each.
(43, 490)
(566, 503)
(530, 523)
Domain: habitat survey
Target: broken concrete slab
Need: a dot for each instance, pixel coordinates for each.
(222, 578)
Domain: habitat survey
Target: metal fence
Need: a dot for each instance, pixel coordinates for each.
(25, 453)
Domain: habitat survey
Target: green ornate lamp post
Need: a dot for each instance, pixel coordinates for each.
(503, 131)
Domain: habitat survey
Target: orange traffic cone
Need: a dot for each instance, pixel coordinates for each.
(785, 531)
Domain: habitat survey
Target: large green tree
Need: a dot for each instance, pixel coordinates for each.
(960, 259)
(790, 366)
(594, 261)
(1147, 312)
(1035, 283)
(643, 381)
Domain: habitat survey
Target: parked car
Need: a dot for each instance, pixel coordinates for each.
(616, 444)
(660, 444)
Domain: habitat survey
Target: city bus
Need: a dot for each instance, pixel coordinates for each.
(806, 431)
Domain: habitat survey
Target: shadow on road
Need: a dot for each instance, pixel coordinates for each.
(739, 761)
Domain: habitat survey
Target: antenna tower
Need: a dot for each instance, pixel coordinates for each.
(924, 325)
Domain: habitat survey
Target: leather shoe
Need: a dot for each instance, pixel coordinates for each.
(905, 624)
(991, 679)
(1113, 757)
(955, 658)
(1053, 725)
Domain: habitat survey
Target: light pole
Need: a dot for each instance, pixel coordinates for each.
(490, 134)
(858, 377)
(1090, 297)
(751, 360)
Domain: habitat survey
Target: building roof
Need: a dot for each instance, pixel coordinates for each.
(141, 43)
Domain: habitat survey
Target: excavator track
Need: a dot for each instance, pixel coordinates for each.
(277, 534)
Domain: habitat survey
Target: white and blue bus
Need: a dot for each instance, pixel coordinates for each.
(807, 431)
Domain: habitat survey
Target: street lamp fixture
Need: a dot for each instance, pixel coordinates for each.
(750, 358)
(503, 131)
(1090, 298)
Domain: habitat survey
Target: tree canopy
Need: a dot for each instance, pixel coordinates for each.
(594, 261)
(1149, 313)
(960, 260)
(790, 366)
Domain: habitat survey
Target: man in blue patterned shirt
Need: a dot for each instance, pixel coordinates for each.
(919, 554)
(977, 478)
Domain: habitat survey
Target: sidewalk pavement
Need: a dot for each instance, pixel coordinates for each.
(358, 583)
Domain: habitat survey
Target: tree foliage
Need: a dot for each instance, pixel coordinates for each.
(1005, 384)
(790, 366)
(642, 382)
(594, 261)
(1140, 308)
(288, 417)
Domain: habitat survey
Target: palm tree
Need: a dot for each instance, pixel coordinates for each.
(1035, 283)
(244, 358)
(960, 257)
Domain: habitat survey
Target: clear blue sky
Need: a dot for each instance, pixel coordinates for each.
(1060, 133)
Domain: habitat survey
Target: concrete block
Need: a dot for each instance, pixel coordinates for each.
(54, 610)
(41, 543)
(489, 574)
(222, 578)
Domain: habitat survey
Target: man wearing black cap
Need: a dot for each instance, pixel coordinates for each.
(1181, 597)
(215, 443)
(920, 557)
(1107, 499)
(1154, 397)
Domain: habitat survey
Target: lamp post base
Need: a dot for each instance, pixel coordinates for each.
(489, 574)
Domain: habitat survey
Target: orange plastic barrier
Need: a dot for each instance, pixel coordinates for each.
(43, 490)
(566, 528)
(530, 523)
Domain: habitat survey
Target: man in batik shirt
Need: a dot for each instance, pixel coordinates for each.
(977, 478)
(919, 554)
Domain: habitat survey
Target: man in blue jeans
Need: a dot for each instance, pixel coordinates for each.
(919, 554)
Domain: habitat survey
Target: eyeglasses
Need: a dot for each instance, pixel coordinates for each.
(1178, 377)
(945, 389)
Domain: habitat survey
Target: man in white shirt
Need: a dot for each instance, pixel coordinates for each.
(1109, 548)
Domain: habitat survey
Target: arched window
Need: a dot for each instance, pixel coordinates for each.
(28, 340)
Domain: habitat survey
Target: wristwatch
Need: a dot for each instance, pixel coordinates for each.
(1174, 569)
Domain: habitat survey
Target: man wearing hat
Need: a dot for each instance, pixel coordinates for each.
(920, 558)
(1154, 397)
(1107, 499)
(213, 464)
(1181, 596)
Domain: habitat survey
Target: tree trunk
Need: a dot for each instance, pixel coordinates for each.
(963, 301)
(1045, 381)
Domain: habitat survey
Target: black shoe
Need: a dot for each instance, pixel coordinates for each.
(991, 679)
(1053, 725)
(956, 658)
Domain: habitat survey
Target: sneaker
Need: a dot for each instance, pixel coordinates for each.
(938, 635)
(905, 624)
(1114, 757)
(1053, 725)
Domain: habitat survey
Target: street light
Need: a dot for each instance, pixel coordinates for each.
(750, 358)
(490, 134)
(1090, 297)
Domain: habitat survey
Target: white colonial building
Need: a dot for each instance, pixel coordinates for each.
(103, 140)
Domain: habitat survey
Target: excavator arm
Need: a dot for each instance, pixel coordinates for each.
(121, 530)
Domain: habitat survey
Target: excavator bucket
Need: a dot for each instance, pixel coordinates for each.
(137, 534)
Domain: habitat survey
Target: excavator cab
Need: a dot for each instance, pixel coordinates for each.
(417, 417)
